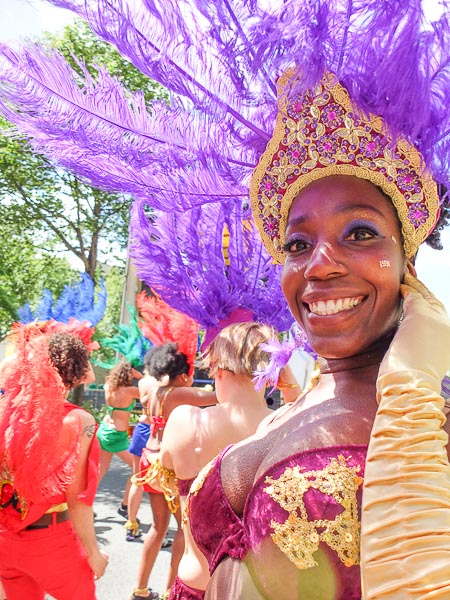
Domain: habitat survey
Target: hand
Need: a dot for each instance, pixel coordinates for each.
(287, 380)
(98, 563)
(136, 374)
(422, 341)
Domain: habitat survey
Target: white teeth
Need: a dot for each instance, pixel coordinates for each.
(331, 307)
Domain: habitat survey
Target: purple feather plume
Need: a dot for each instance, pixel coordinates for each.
(280, 353)
(220, 60)
(181, 257)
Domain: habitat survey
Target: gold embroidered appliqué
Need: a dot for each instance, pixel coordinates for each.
(299, 537)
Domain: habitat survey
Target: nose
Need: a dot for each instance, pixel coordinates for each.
(324, 263)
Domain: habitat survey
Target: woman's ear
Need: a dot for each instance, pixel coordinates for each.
(410, 268)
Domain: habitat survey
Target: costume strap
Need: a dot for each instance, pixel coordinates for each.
(163, 399)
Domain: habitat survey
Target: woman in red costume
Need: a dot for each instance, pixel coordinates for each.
(48, 473)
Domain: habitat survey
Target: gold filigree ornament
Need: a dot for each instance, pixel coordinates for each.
(298, 537)
(321, 133)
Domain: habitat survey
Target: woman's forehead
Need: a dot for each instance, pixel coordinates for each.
(341, 194)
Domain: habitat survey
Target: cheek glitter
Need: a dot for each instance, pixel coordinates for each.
(385, 264)
(393, 239)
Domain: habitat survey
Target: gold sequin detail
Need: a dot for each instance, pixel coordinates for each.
(299, 537)
(158, 477)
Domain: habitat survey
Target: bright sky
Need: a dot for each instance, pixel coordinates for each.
(22, 18)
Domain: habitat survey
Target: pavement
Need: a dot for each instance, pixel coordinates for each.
(120, 576)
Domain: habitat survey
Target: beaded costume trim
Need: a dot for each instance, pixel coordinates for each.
(299, 537)
(319, 134)
(159, 477)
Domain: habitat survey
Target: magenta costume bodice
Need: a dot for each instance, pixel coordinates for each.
(184, 486)
(301, 518)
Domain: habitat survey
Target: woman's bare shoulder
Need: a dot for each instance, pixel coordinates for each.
(183, 414)
(79, 421)
(146, 384)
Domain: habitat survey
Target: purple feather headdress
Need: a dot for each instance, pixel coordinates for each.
(208, 263)
(220, 61)
(77, 301)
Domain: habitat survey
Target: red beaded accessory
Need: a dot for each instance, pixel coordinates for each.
(321, 133)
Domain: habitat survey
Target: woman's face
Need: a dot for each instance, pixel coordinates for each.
(344, 264)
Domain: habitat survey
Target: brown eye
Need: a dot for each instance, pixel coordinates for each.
(361, 234)
(293, 246)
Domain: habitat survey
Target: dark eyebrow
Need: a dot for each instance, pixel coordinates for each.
(342, 210)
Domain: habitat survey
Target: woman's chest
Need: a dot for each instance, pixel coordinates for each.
(245, 464)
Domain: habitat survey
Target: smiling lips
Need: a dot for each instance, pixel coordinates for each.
(332, 307)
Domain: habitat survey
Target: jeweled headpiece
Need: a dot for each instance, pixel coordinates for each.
(321, 133)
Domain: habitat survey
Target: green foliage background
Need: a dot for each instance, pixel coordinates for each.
(49, 216)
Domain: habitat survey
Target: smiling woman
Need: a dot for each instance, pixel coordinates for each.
(344, 264)
(336, 113)
(322, 493)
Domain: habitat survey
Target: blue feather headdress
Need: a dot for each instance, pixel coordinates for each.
(76, 301)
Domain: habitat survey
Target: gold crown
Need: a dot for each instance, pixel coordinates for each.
(321, 133)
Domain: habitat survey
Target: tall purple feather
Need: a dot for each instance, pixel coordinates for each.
(220, 60)
(181, 257)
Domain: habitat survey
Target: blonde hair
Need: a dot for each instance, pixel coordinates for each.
(237, 348)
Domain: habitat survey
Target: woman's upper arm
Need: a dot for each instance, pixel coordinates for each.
(88, 426)
(192, 396)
